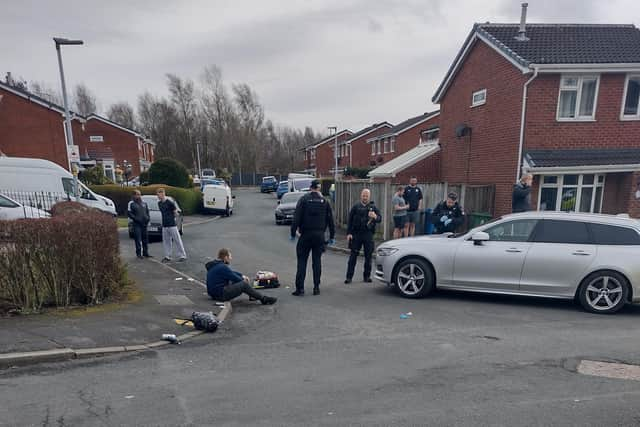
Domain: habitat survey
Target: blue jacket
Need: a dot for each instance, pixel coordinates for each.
(218, 275)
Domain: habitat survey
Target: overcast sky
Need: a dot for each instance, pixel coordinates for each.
(348, 63)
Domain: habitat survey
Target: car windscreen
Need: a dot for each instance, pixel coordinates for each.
(292, 197)
(152, 202)
(268, 179)
(302, 184)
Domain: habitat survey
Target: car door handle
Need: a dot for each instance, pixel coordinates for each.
(513, 250)
(581, 253)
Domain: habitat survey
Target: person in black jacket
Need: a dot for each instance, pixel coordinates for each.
(361, 227)
(521, 198)
(448, 215)
(312, 217)
(138, 212)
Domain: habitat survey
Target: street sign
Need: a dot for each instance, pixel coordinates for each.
(73, 152)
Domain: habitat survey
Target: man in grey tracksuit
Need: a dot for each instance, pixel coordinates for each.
(170, 233)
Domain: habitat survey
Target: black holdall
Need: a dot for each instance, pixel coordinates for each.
(205, 321)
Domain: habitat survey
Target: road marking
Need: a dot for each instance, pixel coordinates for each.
(620, 371)
(191, 279)
(215, 218)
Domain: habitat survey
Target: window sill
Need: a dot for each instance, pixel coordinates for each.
(629, 118)
(575, 120)
(477, 105)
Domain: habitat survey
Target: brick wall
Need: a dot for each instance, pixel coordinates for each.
(325, 160)
(31, 130)
(124, 145)
(489, 154)
(361, 150)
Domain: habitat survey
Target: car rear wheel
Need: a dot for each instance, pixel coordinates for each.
(603, 292)
(227, 211)
(413, 278)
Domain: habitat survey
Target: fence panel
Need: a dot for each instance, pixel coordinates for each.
(34, 202)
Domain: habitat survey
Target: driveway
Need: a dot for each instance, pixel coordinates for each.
(345, 357)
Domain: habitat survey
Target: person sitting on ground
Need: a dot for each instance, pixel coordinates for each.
(224, 284)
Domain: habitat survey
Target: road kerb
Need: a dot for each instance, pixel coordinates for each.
(25, 358)
(98, 351)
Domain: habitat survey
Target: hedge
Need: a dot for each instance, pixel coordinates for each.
(169, 172)
(190, 200)
(65, 260)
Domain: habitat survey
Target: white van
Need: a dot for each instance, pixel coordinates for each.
(41, 183)
(218, 198)
(299, 182)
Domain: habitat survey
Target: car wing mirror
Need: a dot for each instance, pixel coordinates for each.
(233, 197)
(479, 237)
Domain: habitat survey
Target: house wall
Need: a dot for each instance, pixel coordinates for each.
(489, 154)
(361, 150)
(31, 130)
(325, 160)
(124, 145)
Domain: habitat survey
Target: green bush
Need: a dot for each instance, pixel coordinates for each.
(94, 176)
(169, 172)
(190, 200)
(144, 177)
(65, 260)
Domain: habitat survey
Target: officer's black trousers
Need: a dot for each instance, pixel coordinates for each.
(310, 241)
(360, 240)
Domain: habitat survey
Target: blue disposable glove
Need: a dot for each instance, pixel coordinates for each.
(332, 242)
(292, 238)
(447, 222)
(443, 218)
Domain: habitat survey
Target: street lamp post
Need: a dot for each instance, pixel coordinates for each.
(335, 168)
(67, 116)
(198, 155)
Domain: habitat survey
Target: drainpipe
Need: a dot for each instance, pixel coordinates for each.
(522, 121)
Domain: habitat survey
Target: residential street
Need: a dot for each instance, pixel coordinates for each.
(344, 357)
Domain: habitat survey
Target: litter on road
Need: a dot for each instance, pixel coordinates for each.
(406, 315)
(178, 278)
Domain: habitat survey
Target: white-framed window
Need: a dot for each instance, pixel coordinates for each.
(479, 97)
(578, 97)
(571, 193)
(392, 144)
(386, 145)
(379, 145)
(429, 135)
(313, 153)
(631, 98)
(373, 148)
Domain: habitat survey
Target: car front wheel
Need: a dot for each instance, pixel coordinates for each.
(413, 278)
(603, 292)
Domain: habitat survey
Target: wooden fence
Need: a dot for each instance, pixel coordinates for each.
(474, 199)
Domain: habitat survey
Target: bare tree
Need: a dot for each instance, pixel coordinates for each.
(123, 114)
(47, 92)
(159, 120)
(182, 97)
(84, 100)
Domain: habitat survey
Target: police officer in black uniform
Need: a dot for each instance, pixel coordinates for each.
(361, 227)
(312, 217)
(448, 215)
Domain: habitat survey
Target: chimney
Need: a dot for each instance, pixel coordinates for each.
(522, 32)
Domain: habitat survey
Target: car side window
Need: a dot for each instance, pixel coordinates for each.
(559, 231)
(512, 231)
(6, 203)
(614, 235)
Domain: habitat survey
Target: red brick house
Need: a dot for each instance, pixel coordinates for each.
(112, 145)
(558, 100)
(408, 149)
(355, 150)
(31, 126)
(319, 157)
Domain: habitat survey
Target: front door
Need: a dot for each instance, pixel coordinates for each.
(497, 263)
(561, 251)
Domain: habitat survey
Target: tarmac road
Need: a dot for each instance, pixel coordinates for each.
(344, 357)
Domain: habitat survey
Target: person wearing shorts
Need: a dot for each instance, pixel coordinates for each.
(413, 197)
(399, 213)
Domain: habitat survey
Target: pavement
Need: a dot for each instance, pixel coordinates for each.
(346, 357)
(136, 324)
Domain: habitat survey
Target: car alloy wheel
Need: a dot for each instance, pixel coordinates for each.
(414, 278)
(603, 292)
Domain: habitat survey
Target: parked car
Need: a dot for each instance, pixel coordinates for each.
(300, 184)
(286, 207)
(208, 173)
(211, 181)
(588, 257)
(218, 198)
(38, 179)
(269, 184)
(10, 210)
(155, 225)
(283, 187)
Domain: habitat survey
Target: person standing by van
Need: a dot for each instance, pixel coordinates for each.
(170, 233)
(138, 212)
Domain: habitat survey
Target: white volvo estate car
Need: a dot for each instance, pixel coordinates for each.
(589, 257)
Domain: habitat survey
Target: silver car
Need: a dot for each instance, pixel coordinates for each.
(589, 257)
(154, 229)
